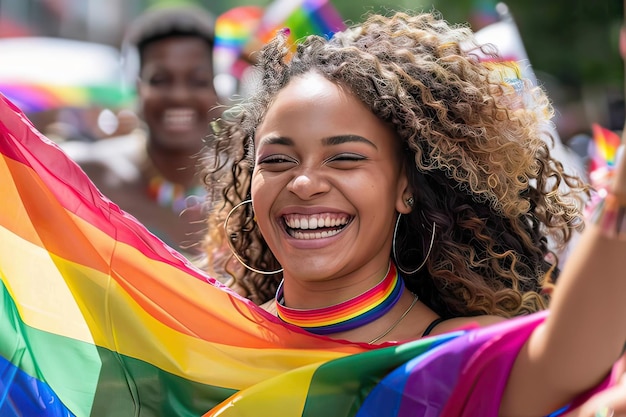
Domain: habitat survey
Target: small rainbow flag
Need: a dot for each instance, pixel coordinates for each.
(602, 151)
(241, 31)
(101, 318)
(603, 148)
(302, 17)
(483, 13)
(233, 31)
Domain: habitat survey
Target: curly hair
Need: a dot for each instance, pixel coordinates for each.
(477, 155)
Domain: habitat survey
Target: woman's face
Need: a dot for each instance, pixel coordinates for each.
(327, 183)
(176, 92)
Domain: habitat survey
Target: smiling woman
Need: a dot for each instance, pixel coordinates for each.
(387, 183)
(465, 172)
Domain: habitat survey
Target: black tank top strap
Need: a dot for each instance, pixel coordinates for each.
(431, 326)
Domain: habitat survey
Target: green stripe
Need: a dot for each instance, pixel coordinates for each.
(130, 387)
(112, 95)
(94, 381)
(339, 387)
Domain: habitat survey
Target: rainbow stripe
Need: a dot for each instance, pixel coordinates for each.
(350, 314)
(40, 97)
(100, 318)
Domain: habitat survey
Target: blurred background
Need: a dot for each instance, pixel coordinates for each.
(572, 46)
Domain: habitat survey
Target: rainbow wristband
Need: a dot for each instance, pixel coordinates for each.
(610, 216)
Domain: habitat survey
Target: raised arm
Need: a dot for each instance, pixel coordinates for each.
(586, 329)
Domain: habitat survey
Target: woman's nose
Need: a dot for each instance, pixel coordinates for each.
(308, 184)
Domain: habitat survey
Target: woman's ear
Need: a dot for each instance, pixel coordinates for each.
(406, 200)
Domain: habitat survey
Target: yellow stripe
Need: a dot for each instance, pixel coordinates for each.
(69, 95)
(289, 390)
(42, 296)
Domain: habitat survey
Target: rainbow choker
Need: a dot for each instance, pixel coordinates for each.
(348, 315)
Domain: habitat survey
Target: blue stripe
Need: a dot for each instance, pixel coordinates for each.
(23, 395)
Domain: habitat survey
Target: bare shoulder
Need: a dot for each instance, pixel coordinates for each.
(270, 306)
(458, 323)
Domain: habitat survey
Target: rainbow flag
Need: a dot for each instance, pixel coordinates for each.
(43, 73)
(100, 318)
(482, 13)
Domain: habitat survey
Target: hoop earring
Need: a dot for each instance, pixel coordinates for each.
(395, 255)
(232, 247)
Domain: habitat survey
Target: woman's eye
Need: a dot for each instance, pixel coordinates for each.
(346, 157)
(276, 159)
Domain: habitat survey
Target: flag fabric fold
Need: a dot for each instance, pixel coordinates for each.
(101, 318)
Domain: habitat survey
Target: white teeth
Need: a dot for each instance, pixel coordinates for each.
(305, 227)
(316, 235)
(314, 222)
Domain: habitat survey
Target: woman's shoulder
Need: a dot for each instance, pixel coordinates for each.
(461, 323)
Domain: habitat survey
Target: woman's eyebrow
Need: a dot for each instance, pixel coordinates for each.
(329, 141)
(338, 140)
(277, 140)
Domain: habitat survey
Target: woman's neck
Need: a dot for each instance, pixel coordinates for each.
(315, 292)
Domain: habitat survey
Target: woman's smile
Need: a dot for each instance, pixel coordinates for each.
(315, 226)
